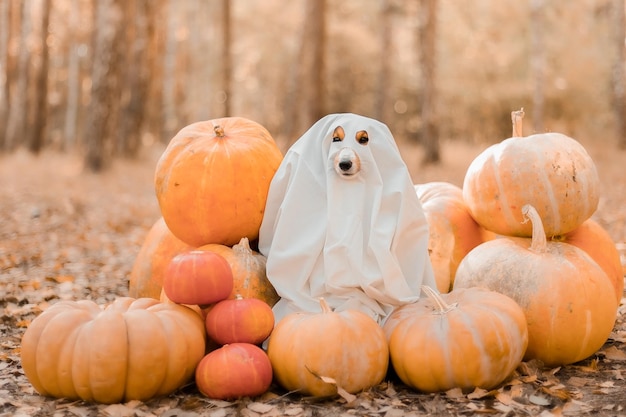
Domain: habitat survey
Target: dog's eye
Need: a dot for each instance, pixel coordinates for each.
(362, 137)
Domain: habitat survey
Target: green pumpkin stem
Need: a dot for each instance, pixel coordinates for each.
(539, 241)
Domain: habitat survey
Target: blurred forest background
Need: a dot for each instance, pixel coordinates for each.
(109, 78)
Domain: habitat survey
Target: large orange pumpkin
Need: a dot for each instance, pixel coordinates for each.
(212, 180)
(453, 232)
(568, 299)
(157, 250)
(550, 171)
(464, 339)
(249, 275)
(347, 346)
(134, 349)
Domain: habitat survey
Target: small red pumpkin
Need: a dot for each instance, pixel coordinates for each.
(157, 250)
(248, 268)
(234, 371)
(197, 277)
(247, 320)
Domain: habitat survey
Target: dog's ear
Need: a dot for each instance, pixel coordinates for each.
(338, 134)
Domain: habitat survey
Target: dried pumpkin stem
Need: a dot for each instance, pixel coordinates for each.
(435, 297)
(325, 307)
(517, 117)
(539, 241)
(219, 130)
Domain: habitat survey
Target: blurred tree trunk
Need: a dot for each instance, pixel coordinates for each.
(40, 113)
(428, 56)
(4, 67)
(73, 78)
(306, 101)
(18, 110)
(154, 119)
(136, 75)
(104, 84)
(170, 81)
(226, 57)
(619, 89)
(538, 61)
(382, 109)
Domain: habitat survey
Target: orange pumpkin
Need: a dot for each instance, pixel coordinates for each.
(212, 180)
(453, 232)
(157, 250)
(550, 171)
(234, 371)
(347, 346)
(197, 277)
(568, 299)
(240, 320)
(248, 266)
(596, 241)
(464, 339)
(132, 349)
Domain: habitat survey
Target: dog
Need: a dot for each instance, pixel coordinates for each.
(347, 162)
(342, 222)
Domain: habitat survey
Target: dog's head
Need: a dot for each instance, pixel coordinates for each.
(345, 146)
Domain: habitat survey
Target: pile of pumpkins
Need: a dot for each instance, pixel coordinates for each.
(522, 273)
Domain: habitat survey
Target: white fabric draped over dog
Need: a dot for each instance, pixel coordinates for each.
(359, 242)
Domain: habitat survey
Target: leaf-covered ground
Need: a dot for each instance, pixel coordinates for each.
(66, 234)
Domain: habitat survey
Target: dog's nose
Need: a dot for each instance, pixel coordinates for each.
(345, 165)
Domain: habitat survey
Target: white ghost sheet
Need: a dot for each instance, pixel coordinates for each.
(360, 242)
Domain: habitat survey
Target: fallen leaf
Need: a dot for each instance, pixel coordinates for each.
(61, 278)
(504, 398)
(341, 391)
(260, 408)
(454, 393)
(578, 381)
(539, 400)
(479, 393)
(119, 410)
(613, 353)
(293, 411)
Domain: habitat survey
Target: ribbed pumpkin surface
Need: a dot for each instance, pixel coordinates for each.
(134, 349)
(550, 171)
(476, 340)
(212, 180)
